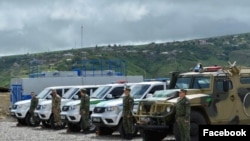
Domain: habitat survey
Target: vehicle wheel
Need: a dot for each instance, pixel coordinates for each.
(104, 130)
(196, 119)
(92, 127)
(31, 122)
(21, 121)
(150, 135)
(74, 127)
(46, 123)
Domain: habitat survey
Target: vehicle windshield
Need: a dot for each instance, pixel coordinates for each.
(138, 90)
(165, 93)
(70, 93)
(192, 82)
(100, 92)
(43, 93)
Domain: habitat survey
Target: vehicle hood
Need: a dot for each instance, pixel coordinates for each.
(108, 103)
(46, 102)
(22, 102)
(93, 101)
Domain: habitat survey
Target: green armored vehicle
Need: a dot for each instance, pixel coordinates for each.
(218, 95)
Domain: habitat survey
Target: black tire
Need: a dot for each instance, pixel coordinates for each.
(21, 121)
(31, 122)
(104, 130)
(92, 127)
(46, 123)
(196, 119)
(74, 127)
(150, 135)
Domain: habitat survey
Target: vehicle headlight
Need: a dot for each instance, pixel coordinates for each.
(23, 106)
(45, 107)
(168, 109)
(112, 108)
(74, 107)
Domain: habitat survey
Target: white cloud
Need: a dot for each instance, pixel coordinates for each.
(38, 26)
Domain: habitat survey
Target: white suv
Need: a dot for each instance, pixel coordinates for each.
(70, 111)
(43, 110)
(107, 115)
(20, 109)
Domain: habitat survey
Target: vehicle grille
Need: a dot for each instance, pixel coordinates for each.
(65, 108)
(99, 110)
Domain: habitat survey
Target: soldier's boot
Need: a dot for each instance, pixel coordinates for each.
(129, 136)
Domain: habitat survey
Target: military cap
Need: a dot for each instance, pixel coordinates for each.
(183, 90)
(126, 88)
(83, 90)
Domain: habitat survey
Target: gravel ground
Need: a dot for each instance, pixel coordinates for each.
(11, 132)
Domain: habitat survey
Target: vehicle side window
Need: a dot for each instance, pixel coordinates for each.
(117, 92)
(219, 85)
(65, 90)
(59, 92)
(155, 88)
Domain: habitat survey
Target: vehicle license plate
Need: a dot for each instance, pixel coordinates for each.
(96, 119)
(12, 113)
(35, 114)
(63, 117)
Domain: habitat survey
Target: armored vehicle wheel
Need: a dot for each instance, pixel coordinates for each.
(31, 122)
(196, 119)
(150, 135)
(92, 127)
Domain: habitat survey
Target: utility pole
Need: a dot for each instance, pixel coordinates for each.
(81, 35)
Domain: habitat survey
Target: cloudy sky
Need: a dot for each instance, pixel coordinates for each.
(32, 26)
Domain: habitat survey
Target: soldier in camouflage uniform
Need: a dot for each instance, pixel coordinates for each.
(33, 104)
(128, 103)
(56, 109)
(183, 115)
(84, 111)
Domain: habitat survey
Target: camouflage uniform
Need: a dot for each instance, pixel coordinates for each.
(56, 104)
(182, 115)
(128, 103)
(84, 112)
(33, 104)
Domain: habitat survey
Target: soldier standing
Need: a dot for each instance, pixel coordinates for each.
(84, 111)
(56, 109)
(128, 103)
(183, 115)
(33, 104)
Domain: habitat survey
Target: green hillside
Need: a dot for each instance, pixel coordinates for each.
(150, 60)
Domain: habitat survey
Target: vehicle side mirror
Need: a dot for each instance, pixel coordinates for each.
(149, 95)
(109, 96)
(49, 97)
(225, 85)
(75, 97)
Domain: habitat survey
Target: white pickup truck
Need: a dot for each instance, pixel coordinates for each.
(70, 111)
(107, 115)
(20, 109)
(43, 110)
